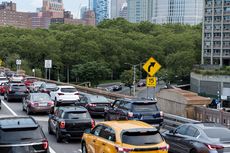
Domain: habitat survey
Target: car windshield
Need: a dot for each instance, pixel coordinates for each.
(41, 97)
(76, 115)
(95, 99)
(144, 107)
(51, 86)
(19, 87)
(12, 135)
(69, 90)
(221, 133)
(3, 79)
(141, 138)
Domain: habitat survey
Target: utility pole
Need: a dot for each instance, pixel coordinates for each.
(134, 80)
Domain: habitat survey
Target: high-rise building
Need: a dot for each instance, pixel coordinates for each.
(216, 33)
(116, 7)
(55, 7)
(124, 11)
(100, 7)
(10, 17)
(83, 11)
(140, 10)
(177, 11)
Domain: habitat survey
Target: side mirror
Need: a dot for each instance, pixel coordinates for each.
(87, 131)
(172, 131)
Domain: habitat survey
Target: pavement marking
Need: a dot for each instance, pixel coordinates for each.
(51, 150)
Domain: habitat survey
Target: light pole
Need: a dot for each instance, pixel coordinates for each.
(134, 77)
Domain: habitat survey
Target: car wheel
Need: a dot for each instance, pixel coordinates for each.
(49, 129)
(4, 96)
(28, 112)
(7, 99)
(83, 148)
(193, 151)
(58, 137)
(23, 109)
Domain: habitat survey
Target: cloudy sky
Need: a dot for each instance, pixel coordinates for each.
(31, 5)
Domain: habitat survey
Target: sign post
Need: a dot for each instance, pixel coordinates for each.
(151, 67)
(18, 63)
(48, 66)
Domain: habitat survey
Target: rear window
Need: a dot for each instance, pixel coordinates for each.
(41, 97)
(220, 133)
(68, 90)
(76, 115)
(142, 138)
(3, 79)
(100, 99)
(11, 135)
(140, 107)
(19, 87)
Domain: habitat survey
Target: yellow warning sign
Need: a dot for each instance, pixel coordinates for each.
(151, 82)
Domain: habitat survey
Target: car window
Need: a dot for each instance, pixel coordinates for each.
(140, 138)
(41, 97)
(83, 100)
(191, 131)
(18, 87)
(69, 90)
(144, 107)
(125, 105)
(108, 133)
(96, 131)
(76, 115)
(100, 99)
(116, 103)
(221, 133)
(182, 129)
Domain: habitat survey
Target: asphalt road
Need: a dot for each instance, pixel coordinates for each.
(15, 109)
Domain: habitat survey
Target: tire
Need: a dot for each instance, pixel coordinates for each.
(28, 112)
(83, 148)
(58, 137)
(23, 109)
(193, 151)
(7, 99)
(4, 96)
(49, 129)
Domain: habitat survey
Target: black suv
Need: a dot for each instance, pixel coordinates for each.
(22, 135)
(135, 109)
(16, 91)
(69, 122)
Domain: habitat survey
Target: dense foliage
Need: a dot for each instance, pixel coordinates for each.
(99, 53)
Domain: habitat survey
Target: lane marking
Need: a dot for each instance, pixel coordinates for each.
(51, 150)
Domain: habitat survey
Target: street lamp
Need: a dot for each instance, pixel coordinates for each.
(134, 76)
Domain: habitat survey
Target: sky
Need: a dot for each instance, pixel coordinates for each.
(31, 5)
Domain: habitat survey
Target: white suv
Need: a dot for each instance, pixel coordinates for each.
(64, 95)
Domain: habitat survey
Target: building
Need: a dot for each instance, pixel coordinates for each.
(55, 7)
(216, 33)
(10, 17)
(116, 8)
(40, 20)
(90, 18)
(100, 7)
(177, 11)
(124, 11)
(83, 11)
(140, 10)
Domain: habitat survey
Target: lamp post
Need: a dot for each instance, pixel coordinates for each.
(134, 76)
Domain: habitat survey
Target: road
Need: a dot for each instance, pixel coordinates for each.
(15, 109)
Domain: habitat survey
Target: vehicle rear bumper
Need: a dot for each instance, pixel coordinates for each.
(71, 134)
(40, 109)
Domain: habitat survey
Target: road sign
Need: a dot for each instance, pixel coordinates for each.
(18, 62)
(151, 66)
(48, 64)
(151, 82)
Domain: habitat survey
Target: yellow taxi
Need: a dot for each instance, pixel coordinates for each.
(123, 137)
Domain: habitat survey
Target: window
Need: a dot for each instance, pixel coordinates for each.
(69, 90)
(182, 129)
(96, 131)
(108, 133)
(144, 107)
(76, 115)
(116, 103)
(191, 131)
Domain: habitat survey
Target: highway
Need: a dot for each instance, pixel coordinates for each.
(15, 109)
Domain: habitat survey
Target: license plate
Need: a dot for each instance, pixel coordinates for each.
(43, 104)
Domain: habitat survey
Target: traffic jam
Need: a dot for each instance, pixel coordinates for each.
(42, 117)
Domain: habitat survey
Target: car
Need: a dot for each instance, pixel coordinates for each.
(95, 104)
(135, 109)
(16, 78)
(69, 122)
(37, 102)
(123, 137)
(29, 80)
(200, 137)
(47, 87)
(64, 95)
(141, 83)
(117, 87)
(3, 80)
(15, 91)
(3, 88)
(22, 135)
(34, 87)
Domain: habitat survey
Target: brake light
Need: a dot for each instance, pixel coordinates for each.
(45, 144)
(10, 89)
(92, 105)
(123, 150)
(50, 103)
(164, 147)
(60, 94)
(62, 125)
(130, 114)
(214, 147)
(34, 104)
(92, 123)
(161, 114)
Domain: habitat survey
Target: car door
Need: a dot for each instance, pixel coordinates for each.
(113, 111)
(83, 101)
(54, 120)
(91, 142)
(53, 93)
(106, 140)
(26, 101)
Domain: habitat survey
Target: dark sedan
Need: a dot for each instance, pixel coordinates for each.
(37, 102)
(199, 138)
(94, 103)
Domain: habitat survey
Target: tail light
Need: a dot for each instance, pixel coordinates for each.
(76, 93)
(214, 147)
(164, 147)
(45, 144)
(60, 94)
(92, 123)
(62, 125)
(123, 150)
(92, 105)
(50, 103)
(130, 114)
(161, 114)
(34, 104)
(10, 89)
